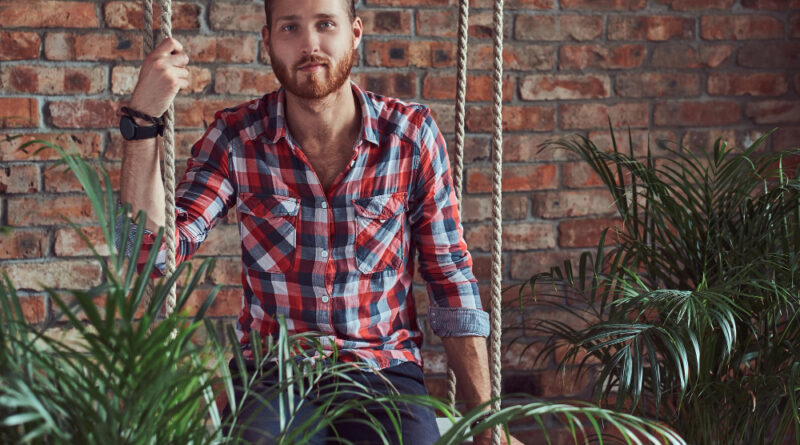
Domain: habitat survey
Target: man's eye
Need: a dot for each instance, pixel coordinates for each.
(288, 28)
(326, 25)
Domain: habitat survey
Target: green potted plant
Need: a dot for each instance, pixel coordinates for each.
(687, 312)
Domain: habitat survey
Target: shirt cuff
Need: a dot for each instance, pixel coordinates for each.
(458, 321)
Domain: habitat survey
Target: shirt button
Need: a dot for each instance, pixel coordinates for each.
(325, 298)
(324, 254)
(352, 163)
(324, 205)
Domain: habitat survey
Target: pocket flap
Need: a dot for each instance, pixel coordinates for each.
(381, 206)
(264, 206)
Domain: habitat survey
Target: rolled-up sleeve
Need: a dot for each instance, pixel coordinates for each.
(444, 261)
(202, 198)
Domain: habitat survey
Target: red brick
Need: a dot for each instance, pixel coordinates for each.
(59, 179)
(699, 114)
(565, 86)
(444, 23)
(19, 112)
(401, 85)
(383, 22)
(94, 46)
(512, 4)
(479, 87)
(526, 148)
(704, 139)
(524, 265)
(554, 383)
(766, 4)
(82, 144)
(53, 274)
(227, 302)
(443, 114)
(37, 79)
(244, 81)
(48, 14)
(516, 178)
(87, 113)
(558, 28)
(23, 244)
(774, 55)
(601, 56)
(236, 49)
(222, 240)
(19, 45)
(515, 118)
(586, 232)
(552, 436)
(565, 204)
(579, 175)
(48, 210)
(686, 56)
(739, 84)
(588, 116)
(694, 5)
(657, 84)
(519, 236)
(740, 27)
(123, 79)
(34, 308)
(642, 139)
(786, 137)
(604, 5)
(773, 111)
(421, 54)
(68, 243)
(227, 271)
(128, 15)
(651, 27)
(19, 179)
(516, 56)
(794, 26)
(193, 113)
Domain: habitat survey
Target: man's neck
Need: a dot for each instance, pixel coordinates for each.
(317, 123)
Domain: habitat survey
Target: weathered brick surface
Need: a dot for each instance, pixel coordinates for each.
(676, 70)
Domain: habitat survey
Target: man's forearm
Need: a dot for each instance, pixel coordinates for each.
(140, 181)
(468, 358)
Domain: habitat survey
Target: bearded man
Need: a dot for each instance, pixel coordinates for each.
(336, 190)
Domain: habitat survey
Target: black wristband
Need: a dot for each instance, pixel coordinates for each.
(133, 113)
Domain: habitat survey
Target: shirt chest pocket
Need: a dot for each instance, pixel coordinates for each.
(268, 229)
(379, 232)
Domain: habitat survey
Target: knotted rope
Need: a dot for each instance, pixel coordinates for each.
(169, 150)
(497, 191)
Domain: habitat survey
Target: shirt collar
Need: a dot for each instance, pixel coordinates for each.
(275, 127)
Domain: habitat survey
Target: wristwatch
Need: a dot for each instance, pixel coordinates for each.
(131, 131)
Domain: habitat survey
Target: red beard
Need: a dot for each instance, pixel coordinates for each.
(315, 87)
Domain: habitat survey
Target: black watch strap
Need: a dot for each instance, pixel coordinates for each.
(131, 131)
(135, 113)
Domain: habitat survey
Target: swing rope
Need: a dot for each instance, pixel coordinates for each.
(169, 151)
(497, 193)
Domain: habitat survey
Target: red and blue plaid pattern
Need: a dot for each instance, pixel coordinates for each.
(339, 263)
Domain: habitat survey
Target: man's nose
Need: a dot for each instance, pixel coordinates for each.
(311, 42)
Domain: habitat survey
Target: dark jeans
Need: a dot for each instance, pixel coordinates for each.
(259, 422)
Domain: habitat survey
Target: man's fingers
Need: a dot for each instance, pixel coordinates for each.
(167, 46)
(179, 59)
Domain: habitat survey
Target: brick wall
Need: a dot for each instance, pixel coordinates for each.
(684, 70)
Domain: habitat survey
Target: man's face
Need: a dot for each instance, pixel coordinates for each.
(311, 45)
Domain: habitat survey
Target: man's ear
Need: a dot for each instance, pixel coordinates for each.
(358, 32)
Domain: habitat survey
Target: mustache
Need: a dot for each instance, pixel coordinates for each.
(311, 60)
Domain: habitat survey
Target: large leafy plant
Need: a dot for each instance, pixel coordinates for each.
(688, 311)
(131, 375)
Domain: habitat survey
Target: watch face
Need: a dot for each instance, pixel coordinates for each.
(127, 127)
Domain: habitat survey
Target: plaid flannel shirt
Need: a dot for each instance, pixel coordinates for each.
(339, 263)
